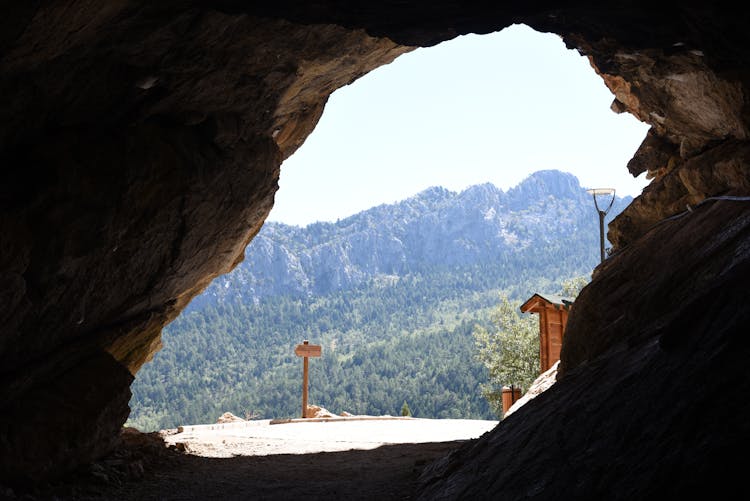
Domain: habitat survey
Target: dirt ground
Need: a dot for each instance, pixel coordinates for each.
(384, 473)
(159, 466)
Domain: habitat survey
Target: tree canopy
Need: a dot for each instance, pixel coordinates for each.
(510, 351)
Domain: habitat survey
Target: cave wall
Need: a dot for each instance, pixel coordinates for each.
(661, 412)
(141, 147)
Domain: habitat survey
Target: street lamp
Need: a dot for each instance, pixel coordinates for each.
(602, 192)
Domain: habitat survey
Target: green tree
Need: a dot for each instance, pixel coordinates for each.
(510, 352)
(405, 411)
(572, 286)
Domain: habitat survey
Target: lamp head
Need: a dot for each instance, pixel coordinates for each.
(601, 191)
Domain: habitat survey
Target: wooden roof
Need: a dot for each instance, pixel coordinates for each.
(537, 301)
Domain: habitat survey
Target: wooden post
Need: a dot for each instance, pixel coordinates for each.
(304, 385)
(306, 350)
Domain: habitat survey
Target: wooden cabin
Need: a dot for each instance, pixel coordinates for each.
(553, 315)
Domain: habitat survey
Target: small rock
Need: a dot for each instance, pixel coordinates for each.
(315, 411)
(228, 417)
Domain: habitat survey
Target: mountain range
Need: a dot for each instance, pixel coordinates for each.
(436, 229)
(392, 294)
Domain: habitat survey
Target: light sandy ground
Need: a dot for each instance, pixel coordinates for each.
(303, 436)
(378, 458)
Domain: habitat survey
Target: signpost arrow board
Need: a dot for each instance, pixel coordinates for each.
(306, 350)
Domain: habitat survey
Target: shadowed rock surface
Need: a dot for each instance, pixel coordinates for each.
(649, 406)
(141, 146)
(143, 469)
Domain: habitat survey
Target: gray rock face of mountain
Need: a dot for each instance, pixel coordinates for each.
(434, 229)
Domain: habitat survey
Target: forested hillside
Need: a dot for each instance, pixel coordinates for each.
(392, 295)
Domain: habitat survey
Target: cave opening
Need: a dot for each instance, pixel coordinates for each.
(143, 145)
(477, 109)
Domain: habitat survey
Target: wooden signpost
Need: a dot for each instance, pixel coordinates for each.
(306, 350)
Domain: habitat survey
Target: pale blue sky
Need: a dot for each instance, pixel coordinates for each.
(491, 108)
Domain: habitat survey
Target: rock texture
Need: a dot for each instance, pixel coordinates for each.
(228, 417)
(541, 384)
(141, 150)
(140, 147)
(652, 401)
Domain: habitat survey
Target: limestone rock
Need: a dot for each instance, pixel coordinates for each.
(722, 169)
(315, 411)
(228, 417)
(540, 384)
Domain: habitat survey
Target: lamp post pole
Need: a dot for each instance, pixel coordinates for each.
(601, 235)
(602, 191)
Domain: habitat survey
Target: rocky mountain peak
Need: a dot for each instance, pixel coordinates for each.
(545, 183)
(436, 228)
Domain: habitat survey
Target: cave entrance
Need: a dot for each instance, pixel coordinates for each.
(477, 109)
